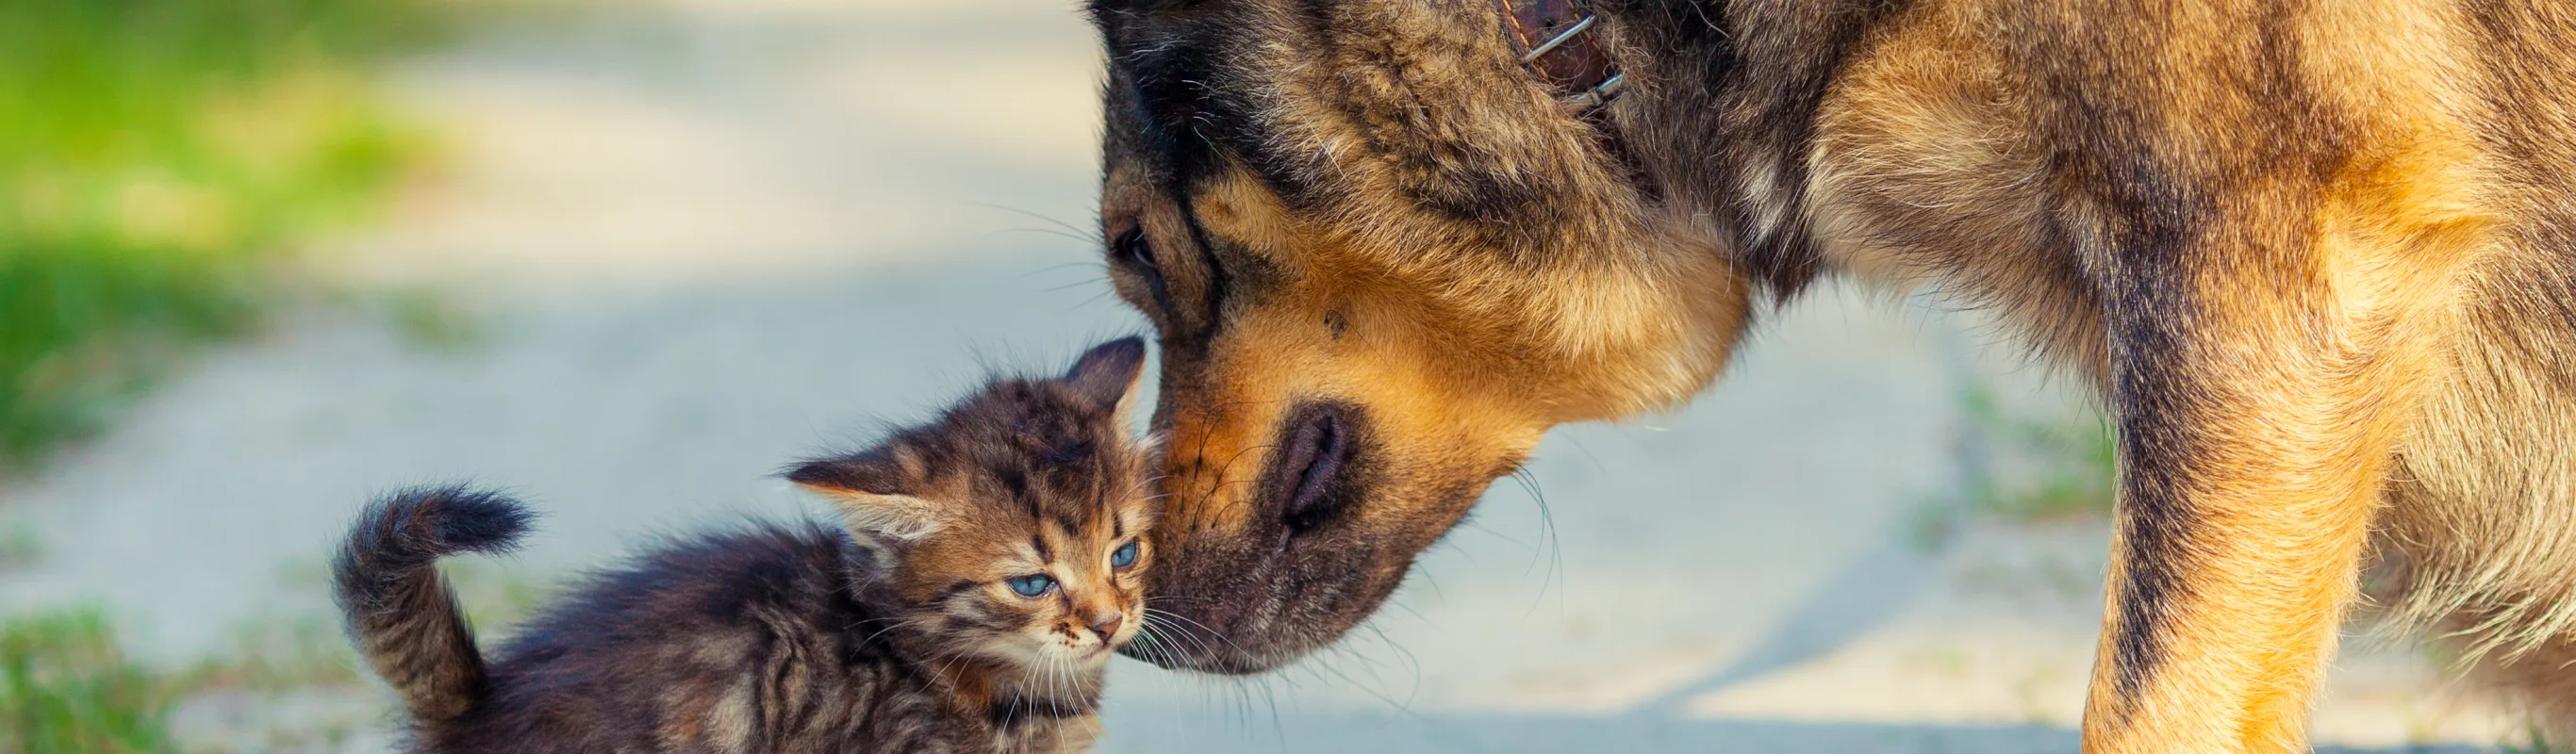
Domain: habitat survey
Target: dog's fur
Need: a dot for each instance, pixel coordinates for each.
(2319, 257)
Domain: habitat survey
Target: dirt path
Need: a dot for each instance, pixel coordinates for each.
(703, 239)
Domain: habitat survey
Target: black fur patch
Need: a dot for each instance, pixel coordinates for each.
(2156, 522)
(1220, 283)
(2148, 224)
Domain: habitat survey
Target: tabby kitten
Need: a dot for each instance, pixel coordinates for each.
(988, 566)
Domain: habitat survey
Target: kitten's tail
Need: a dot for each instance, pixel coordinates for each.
(400, 611)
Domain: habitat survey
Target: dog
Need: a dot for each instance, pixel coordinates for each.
(2318, 257)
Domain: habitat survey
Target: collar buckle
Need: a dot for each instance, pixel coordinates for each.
(1564, 48)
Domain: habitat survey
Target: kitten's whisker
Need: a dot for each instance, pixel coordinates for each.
(1148, 484)
(1210, 632)
(899, 623)
(1165, 639)
(1200, 626)
(1170, 640)
(1146, 648)
(1196, 646)
(1144, 642)
(1046, 676)
(1156, 648)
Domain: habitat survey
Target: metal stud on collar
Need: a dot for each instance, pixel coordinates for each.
(1552, 43)
(1599, 95)
(1590, 98)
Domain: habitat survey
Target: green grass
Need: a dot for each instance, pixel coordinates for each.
(2534, 742)
(429, 321)
(66, 687)
(156, 159)
(2041, 468)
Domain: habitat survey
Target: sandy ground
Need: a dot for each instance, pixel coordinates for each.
(705, 236)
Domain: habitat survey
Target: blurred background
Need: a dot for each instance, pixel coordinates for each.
(262, 259)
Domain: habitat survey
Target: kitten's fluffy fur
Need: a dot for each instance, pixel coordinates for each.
(900, 631)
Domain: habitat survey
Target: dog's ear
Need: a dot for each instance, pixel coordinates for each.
(876, 491)
(1107, 375)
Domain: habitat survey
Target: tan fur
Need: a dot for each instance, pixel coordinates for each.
(2396, 232)
(2319, 258)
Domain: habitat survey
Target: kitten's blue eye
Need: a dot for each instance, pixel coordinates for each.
(1124, 556)
(1031, 586)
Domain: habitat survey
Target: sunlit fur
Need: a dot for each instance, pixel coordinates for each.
(1457, 342)
(2318, 257)
(898, 632)
(1026, 478)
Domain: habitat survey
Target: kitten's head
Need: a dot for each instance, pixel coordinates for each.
(1013, 526)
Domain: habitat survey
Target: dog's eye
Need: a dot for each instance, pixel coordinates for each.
(1132, 249)
(1031, 586)
(1136, 253)
(1124, 556)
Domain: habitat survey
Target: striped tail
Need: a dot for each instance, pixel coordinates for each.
(399, 610)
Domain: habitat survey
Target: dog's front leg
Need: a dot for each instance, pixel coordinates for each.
(2259, 395)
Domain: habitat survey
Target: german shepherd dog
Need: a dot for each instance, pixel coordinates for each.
(2318, 256)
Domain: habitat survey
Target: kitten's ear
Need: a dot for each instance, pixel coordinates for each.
(1109, 372)
(872, 489)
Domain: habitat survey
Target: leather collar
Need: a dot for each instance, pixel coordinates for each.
(1562, 43)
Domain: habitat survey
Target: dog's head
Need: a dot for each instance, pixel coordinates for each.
(1382, 261)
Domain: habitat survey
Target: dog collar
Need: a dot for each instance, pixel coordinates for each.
(1562, 43)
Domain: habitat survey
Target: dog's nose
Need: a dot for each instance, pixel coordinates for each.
(1107, 624)
(1318, 447)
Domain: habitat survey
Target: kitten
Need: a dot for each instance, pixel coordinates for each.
(988, 565)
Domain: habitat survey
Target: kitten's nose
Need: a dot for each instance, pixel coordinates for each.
(1107, 624)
